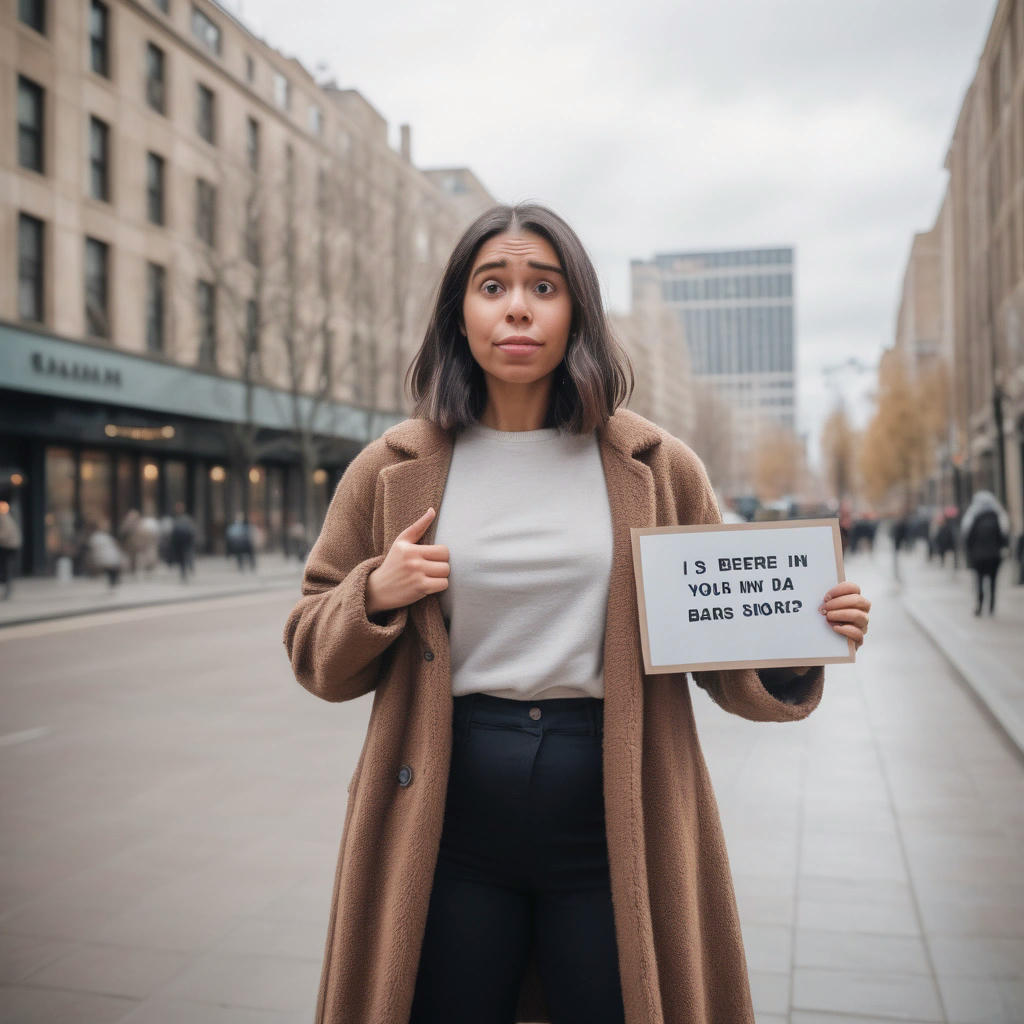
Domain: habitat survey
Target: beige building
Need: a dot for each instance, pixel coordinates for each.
(963, 292)
(223, 269)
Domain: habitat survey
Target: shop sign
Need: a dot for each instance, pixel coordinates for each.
(50, 366)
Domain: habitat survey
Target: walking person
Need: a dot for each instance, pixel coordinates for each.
(531, 833)
(238, 541)
(10, 545)
(183, 541)
(985, 529)
(105, 555)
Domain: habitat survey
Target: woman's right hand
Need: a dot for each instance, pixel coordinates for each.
(409, 570)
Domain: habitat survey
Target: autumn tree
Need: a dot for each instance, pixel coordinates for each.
(839, 444)
(777, 462)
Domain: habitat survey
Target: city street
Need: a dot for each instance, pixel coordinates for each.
(172, 803)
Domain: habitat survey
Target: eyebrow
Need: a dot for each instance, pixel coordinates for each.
(501, 264)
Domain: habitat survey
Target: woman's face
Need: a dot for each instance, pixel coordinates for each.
(517, 309)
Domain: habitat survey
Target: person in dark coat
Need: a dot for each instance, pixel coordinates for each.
(183, 541)
(986, 532)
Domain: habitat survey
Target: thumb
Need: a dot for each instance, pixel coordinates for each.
(414, 532)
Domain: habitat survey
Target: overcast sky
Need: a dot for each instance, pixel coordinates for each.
(683, 125)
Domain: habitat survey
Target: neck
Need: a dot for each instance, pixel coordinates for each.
(516, 406)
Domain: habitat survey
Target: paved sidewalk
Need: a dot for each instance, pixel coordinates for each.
(987, 651)
(37, 598)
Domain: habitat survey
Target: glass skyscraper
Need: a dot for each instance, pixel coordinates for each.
(736, 309)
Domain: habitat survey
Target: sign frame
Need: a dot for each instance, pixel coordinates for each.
(705, 666)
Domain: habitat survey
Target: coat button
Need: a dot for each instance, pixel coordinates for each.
(428, 655)
(404, 775)
(535, 713)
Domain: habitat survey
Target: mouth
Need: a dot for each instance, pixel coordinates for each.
(519, 344)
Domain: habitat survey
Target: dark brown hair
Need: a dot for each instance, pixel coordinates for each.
(595, 377)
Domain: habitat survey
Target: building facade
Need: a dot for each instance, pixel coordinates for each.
(736, 309)
(219, 271)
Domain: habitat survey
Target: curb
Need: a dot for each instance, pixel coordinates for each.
(986, 695)
(74, 613)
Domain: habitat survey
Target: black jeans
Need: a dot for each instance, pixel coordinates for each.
(523, 856)
(986, 568)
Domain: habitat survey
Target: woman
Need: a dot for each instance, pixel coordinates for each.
(986, 531)
(531, 833)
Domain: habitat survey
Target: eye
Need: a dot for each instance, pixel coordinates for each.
(548, 285)
(490, 287)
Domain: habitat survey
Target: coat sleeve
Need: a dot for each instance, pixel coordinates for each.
(335, 649)
(762, 695)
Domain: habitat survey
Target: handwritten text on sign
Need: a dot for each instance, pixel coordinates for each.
(734, 596)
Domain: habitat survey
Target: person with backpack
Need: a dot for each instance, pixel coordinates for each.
(986, 531)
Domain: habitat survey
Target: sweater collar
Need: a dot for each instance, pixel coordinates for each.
(625, 431)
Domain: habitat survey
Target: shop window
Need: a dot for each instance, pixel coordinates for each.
(59, 518)
(175, 486)
(156, 286)
(252, 143)
(150, 488)
(95, 489)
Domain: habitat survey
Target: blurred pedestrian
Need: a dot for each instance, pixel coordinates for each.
(520, 388)
(238, 542)
(10, 545)
(139, 537)
(183, 541)
(104, 553)
(297, 540)
(944, 541)
(986, 531)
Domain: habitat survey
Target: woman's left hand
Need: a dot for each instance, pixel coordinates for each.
(847, 611)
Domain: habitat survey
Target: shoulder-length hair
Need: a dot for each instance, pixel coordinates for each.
(447, 384)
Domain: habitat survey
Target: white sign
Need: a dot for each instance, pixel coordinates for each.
(738, 596)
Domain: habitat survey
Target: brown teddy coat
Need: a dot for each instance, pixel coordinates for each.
(680, 949)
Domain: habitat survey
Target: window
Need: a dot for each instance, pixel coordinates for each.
(206, 318)
(289, 165)
(252, 143)
(30, 124)
(99, 159)
(99, 38)
(252, 232)
(155, 188)
(282, 91)
(30, 268)
(33, 14)
(316, 120)
(156, 282)
(250, 69)
(206, 211)
(205, 31)
(97, 318)
(205, 112)
(155, 84)
(252, 339)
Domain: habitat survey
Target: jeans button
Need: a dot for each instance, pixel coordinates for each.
(535, 713)
(404, 775)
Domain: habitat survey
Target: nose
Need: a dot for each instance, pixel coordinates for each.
(518, 310)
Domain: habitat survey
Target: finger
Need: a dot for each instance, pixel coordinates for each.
(851, 615)
(416, 530)
(840, 589)
(435, 552)
(848, 601)
(435, 568)
(856, 635)
(434, 586)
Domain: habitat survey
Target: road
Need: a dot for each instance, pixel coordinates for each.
(172, 803)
